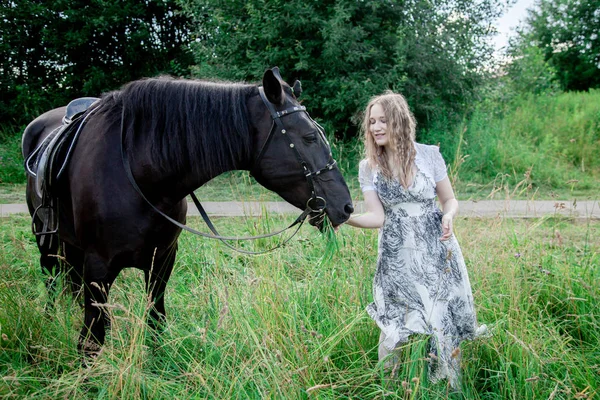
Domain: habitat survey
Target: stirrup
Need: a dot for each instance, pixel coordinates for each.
(49, 222)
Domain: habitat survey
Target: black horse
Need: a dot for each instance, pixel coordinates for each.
(171, 136)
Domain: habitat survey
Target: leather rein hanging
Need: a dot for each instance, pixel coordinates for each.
(319, 202)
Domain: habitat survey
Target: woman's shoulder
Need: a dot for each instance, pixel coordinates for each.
(365, 164)
(427, 148)
(430, 160)
(366, 175)
(429, 152)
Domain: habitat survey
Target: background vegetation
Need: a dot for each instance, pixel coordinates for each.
(54, 51)
(344, 52)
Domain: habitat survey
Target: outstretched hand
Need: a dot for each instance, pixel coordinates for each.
(446, 227)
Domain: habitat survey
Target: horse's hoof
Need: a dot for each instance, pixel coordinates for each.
(90, 351)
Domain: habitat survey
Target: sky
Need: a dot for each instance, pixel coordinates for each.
(510, 20)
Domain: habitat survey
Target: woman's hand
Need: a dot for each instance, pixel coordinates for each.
(446, 226)
(449, 206)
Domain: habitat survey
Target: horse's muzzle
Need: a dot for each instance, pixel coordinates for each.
(317, 218)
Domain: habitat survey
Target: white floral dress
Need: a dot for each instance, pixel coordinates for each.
(421, 284)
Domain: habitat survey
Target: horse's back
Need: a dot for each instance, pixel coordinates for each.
(39, 128)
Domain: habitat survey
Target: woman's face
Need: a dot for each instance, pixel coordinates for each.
(378, 125)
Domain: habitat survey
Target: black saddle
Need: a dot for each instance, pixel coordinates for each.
(49, 160)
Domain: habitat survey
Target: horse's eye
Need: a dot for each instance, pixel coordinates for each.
(310, 137)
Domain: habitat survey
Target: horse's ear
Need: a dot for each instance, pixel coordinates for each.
(277, 73)
(297, 89)
(272, 86)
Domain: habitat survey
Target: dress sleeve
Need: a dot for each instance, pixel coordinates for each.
(439, 165)
(365, 176)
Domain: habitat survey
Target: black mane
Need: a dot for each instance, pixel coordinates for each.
(191, 124)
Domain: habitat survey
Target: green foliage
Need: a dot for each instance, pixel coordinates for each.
(11, 159)
(537, 141)
(527, 73)
(566, 33)
(292, 324)
(344, 52)
(54, 51)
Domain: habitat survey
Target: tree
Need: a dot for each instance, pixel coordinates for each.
(346, 51)
(56, 50)
(568, 34)
(528, 72)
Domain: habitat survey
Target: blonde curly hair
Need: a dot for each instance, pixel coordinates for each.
(401, 128)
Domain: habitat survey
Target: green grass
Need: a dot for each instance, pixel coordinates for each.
(536, 146)
(291, 323)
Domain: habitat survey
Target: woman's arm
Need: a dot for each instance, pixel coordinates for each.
(373, 217)
(449, 204)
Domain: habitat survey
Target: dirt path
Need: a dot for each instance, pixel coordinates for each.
(482, 209)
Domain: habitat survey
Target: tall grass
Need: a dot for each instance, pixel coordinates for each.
(291, 324)
(550, 141)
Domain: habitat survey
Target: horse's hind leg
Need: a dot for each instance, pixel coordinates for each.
(156, 283)
(74, 268)
(48, 246)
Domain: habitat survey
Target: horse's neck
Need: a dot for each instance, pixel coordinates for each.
(172, 185)
(196, 152)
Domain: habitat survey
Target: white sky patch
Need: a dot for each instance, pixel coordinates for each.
(508, 22)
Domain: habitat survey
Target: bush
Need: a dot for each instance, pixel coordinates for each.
(11, 159)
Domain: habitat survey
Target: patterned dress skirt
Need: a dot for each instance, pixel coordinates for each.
(421, 285)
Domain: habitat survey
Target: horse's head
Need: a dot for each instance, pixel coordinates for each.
(292, 156)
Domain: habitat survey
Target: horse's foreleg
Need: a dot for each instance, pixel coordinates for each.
(97, 280)
(156, 283)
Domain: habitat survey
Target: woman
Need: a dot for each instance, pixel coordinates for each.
(421, 284)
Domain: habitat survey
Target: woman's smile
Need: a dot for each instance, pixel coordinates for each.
(379, 137)
(378, 125)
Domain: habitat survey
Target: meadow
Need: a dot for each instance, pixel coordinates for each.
(291, 324)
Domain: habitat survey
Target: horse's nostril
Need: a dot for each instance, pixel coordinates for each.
(348, 208)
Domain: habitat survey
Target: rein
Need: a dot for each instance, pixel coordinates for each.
(319, 202)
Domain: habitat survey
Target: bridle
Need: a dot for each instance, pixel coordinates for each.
(277, 125)
(314, 205)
